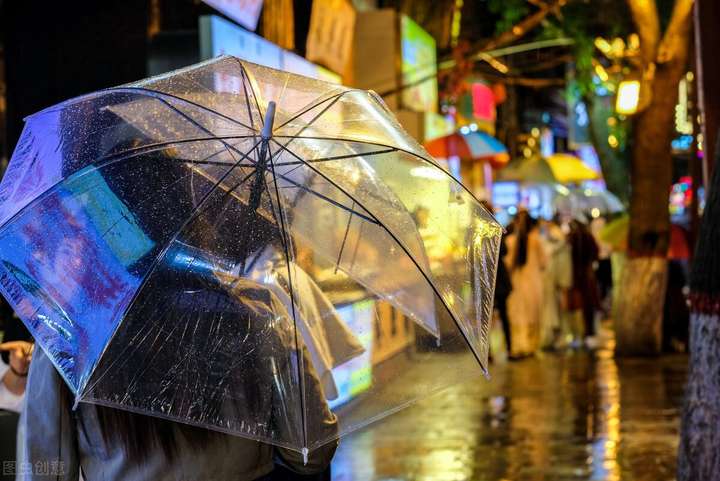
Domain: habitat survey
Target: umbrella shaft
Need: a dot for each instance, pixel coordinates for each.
(259, 180)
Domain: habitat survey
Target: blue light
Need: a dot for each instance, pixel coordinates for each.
(684, 143)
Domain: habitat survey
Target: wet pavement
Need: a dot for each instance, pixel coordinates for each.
(572, 415)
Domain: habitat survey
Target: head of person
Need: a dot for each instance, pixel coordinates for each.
(523, 224)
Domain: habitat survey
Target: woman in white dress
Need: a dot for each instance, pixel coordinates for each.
(525, 261)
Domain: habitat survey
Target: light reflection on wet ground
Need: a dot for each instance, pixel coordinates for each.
(566, 416)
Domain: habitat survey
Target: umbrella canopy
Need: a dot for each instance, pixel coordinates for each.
(179, 246)
(616, 233)
(469, 146)
(558, 168)
(572, 201)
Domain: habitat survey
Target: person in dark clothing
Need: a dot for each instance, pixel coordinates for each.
(676, 316)
(583, 295)
(503, 287)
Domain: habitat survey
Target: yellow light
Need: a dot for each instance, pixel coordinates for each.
(531, 141)
(613, 141)
(456, 17)
(628, 97)
(618, 46)
(494, 63)
(527, 152)
(601, 73)
(612, 121)
(634, 41)
(603, 45)
(535, 132)
(595, 213)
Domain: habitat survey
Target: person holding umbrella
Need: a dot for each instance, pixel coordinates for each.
(67, 440)
(141, 294)
(583, 295)
(108, 443)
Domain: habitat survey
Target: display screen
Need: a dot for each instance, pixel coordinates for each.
(355, 376)
(419, 62)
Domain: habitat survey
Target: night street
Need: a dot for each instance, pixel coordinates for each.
(360, 240)
(564, 416)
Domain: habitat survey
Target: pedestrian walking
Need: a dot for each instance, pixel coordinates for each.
(525, 261)
(503, 288)
(557, 279)
(583, 296)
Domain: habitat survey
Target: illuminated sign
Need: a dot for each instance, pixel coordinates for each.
(244, 12)
(483, 102)
(419, 67)
(220, 37)
(683, 118)
(355, 376)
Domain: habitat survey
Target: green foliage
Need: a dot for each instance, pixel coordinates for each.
(583, 21)
(510, 12)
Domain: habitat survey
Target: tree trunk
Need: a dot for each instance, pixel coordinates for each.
(651, 177)
(639, 308)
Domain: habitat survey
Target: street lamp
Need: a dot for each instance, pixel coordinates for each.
(628, 97)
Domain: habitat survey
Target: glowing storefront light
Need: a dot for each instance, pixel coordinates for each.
(628, 97)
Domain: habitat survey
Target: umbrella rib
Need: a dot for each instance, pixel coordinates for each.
(121, 356)
(101, 376)
(314, 119)
(305, 110)
(161, 96)
(247, 98)
(195, 212)
(342, 246)
(110, 159)
(337, 157)
(402, 246)
(357, 245)
(197, 124)
(300, 365)
(329, 200)
(146, 149)
(358, 141)
(252, 90)
(228, 147)
(330, 159)
(399, 149)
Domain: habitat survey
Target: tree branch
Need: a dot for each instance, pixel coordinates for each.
(647, 21)
(677, 33)
(523, 27)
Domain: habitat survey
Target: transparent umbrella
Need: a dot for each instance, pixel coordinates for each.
(188, 247)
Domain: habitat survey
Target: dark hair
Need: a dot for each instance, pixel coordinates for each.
(522, 230)
(137, 433)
